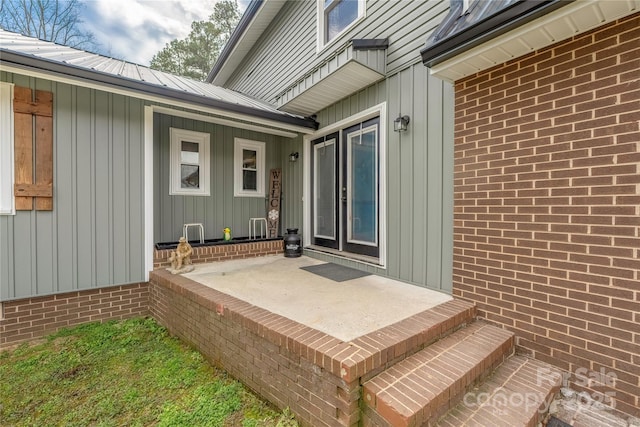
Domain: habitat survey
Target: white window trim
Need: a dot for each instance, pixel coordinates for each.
(321, 44)
(240, 144)
(203, 141)
(7, 205)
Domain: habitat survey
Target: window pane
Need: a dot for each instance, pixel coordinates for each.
(189, 176)
(249, 159)
(325, 189)
(249, 180)
(343, 13)
(189, 153)
(364, 187)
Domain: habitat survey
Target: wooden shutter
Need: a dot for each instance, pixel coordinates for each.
(33, 113)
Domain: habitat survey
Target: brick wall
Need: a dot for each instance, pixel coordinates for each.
(222, 252)
(32, 318)
(547, 203)
(262, 349)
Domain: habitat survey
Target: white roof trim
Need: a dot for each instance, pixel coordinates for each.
(574, 19)
(326, 90)
(249, 38)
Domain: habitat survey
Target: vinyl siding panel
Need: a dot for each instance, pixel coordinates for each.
(288, 49)
(221, 209)
(94, 235)
(419, 175)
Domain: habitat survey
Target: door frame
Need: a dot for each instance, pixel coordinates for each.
(380, 111)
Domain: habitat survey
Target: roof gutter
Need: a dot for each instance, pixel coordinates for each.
(243, 24)
(506, 20)
(68, 70)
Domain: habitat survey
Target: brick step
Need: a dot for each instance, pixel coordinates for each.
(518, 393)
(425, 385)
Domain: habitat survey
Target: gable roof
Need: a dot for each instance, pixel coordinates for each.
(24, 52)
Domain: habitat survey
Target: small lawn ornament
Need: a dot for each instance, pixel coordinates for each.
(227, 234)
(181, 258)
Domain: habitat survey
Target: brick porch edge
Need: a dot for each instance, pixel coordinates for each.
(287, 363)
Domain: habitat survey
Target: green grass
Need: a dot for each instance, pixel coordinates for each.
(122, 373)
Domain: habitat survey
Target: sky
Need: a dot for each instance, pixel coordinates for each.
(135, 30)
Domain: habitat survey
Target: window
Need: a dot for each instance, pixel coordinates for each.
(335, 16)
(189, 173)
(6, 149)
(248, 168)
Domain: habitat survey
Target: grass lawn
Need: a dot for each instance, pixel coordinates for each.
(122, 373)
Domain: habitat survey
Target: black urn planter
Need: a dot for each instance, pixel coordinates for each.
(292, 243)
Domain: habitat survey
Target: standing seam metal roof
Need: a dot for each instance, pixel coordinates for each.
(29, 51)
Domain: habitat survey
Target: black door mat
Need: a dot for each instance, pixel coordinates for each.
(335, 272)
(555, 422)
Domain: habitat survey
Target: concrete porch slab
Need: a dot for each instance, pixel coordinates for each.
(344, 310)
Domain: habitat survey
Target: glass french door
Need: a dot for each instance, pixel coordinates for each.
(345, 186)
(324, 203)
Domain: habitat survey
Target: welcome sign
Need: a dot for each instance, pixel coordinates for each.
(273, 214)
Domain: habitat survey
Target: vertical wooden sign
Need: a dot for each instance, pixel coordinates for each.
(273, 211)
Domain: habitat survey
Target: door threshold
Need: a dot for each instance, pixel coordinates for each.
(346, 255)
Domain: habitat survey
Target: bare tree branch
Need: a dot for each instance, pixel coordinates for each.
(53, 20)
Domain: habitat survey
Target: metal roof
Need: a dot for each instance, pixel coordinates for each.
(23, 51)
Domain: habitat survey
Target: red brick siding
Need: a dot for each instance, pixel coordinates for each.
(202, 254)
(547, 202)
(32, 318)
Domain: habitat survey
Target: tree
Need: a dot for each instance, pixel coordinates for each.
(53, 20)
(194, 55)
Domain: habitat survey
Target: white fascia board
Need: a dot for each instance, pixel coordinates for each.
(574, 19)
(250, 36)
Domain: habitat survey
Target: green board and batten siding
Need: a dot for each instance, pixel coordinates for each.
(95, 235)
(221, 209)
(419, 175)
(287, 50)
(419, 162)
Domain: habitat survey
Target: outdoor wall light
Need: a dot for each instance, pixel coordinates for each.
(294, 156)
(400, 124)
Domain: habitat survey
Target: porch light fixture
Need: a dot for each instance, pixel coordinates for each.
(294, 156)
(400, 124)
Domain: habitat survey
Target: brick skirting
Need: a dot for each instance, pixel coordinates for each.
(223, 252)
(32, 318)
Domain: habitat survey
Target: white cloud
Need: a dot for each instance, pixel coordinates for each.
(136, 30)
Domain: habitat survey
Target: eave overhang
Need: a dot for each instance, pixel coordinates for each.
(12, 61)
(521, 29)
(253, 23)
(360, 64)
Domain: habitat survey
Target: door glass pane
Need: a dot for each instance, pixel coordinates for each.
(325, 189)
(189, 152)
(189, 176)
(341, 14)
(363, 182)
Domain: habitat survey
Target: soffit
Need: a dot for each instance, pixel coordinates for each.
(345, 73)
(563, 23)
